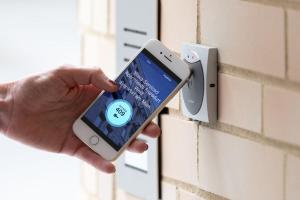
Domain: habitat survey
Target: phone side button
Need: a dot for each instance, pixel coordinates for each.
(94, 140)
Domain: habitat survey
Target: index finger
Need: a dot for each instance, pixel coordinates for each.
(73, 76)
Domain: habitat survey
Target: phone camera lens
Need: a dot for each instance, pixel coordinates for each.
(160, 52)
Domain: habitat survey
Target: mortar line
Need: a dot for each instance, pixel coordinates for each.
(114, 188)
(284, 176)
(82, 47)
(177, 193)
(198, 30)
(262, 130)
(109, 6)
(180, 103)
(82, 184)
(92, 22)
(245, 134)
(194, 189)
(283, 4)
(286, 44)
(259, 77)
(255, 137)
(198, 156)
(97, 175)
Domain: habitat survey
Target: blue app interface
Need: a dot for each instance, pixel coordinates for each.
(143, 86)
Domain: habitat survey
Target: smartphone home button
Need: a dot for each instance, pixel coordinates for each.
(94, 140)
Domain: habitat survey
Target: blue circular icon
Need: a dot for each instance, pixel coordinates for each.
(118, 113)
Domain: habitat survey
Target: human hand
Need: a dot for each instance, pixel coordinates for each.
(44, 108)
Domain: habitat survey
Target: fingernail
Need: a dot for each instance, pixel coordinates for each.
(146, 147)
(111, 169)
(113, 82)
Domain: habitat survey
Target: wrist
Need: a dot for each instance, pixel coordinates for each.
(6, 103)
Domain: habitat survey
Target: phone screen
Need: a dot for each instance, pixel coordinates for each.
(143, 86)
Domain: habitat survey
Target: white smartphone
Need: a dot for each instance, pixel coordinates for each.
(146, 84)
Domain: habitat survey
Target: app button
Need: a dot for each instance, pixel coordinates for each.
(118, 113)
(94, 140)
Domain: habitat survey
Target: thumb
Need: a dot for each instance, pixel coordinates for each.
(73, 76)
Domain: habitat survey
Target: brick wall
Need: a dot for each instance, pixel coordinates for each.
(253, 152)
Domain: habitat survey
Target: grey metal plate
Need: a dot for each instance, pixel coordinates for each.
(193, 91)
(206, 76)
(137, 22)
